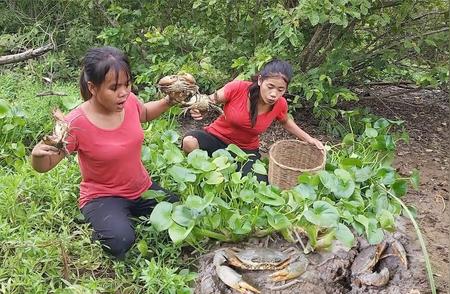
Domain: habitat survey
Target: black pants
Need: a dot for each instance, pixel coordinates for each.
(211, 143)
(110, 218)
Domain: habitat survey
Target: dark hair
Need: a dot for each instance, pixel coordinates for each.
(96, 64)
(274, 68)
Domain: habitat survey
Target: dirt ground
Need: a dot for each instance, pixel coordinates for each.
(426, 116)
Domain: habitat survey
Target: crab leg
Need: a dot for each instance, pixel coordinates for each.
(234, 280)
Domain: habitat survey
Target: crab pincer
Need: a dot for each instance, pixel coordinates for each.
(293, 270)
(234, 280)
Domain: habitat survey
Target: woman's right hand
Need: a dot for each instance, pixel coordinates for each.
(196, 114)
(41, 149)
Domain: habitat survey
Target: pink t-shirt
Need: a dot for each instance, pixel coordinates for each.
(235, 125)
(110, 160)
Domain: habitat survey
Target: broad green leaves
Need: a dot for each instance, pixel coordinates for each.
(323, 214)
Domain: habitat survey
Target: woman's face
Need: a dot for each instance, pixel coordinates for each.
(112, 93)
(271, 89)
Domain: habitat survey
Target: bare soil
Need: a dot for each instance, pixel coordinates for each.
(426, 116)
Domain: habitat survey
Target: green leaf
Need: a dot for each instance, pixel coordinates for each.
(199, 159)
(279, 221)
(259, 168)
(345, 235)
(386, 220)
(363, 174)
(146, 153)
(371, 132)
(214, 178)
(313, 18)
(415, 179)
(142, 247)
(247, 195)
(349, 139)
(154, 194)
(170, 136)
(399, 187)
(267, 196)
(374, 234)
(221, 163)
(161, 217)
(4, 108)
(182, 215)
(236, 178)
(387, 175)
(306, 191)
(195, 202)
(239, 224)
(322, 214)
(173, 155)
(237, 152)
(178, 233)
(181, 174)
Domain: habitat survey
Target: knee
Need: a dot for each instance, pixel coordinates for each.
(119, 242)
(190, 143)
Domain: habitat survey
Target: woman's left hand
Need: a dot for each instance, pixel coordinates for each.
(317, 143)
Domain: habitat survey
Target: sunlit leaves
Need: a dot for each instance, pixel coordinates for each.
(323, 214)
(161, 217)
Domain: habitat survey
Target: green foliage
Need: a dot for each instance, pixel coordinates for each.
(351, 196)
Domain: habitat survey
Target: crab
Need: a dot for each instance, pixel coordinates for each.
(287, 265)
(60, 132)
(201, 102)
(178, 87)
(368, 258)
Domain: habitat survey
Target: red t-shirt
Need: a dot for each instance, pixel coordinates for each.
(110, 160)
(234, 126)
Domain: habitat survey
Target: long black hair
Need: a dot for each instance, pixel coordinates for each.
(96, 64)
(274, 68)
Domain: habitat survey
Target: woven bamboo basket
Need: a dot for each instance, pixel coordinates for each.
(289, 158)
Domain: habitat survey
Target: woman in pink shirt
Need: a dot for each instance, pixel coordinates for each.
(106, 134)
(249, 109)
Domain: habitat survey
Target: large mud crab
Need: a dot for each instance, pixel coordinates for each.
(368, 258)
(60, 132)
(201, 102)
(288, 264)
(178, 87)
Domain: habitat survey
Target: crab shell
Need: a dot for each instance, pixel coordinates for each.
(257, 258)
(169, 80)
(367, 258)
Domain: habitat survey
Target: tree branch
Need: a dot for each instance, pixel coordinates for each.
(14, 58)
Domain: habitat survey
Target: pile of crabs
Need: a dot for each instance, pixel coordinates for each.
(280, 267)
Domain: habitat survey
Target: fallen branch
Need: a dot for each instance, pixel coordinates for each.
(14, 58)
(50, 93)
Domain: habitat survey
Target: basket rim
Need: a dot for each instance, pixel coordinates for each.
(291, 168)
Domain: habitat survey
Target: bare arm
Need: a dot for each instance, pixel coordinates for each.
(154, 109)
(290, 126)
(45, 157)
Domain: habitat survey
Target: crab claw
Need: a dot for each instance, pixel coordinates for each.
(374, 279)
(234, 280)
(293, 270)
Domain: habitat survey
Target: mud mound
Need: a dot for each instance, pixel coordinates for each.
(327, 272)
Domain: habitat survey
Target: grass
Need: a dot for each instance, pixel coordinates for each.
(44, 245)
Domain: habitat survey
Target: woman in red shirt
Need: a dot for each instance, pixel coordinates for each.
(106, 133)
(250, 107)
